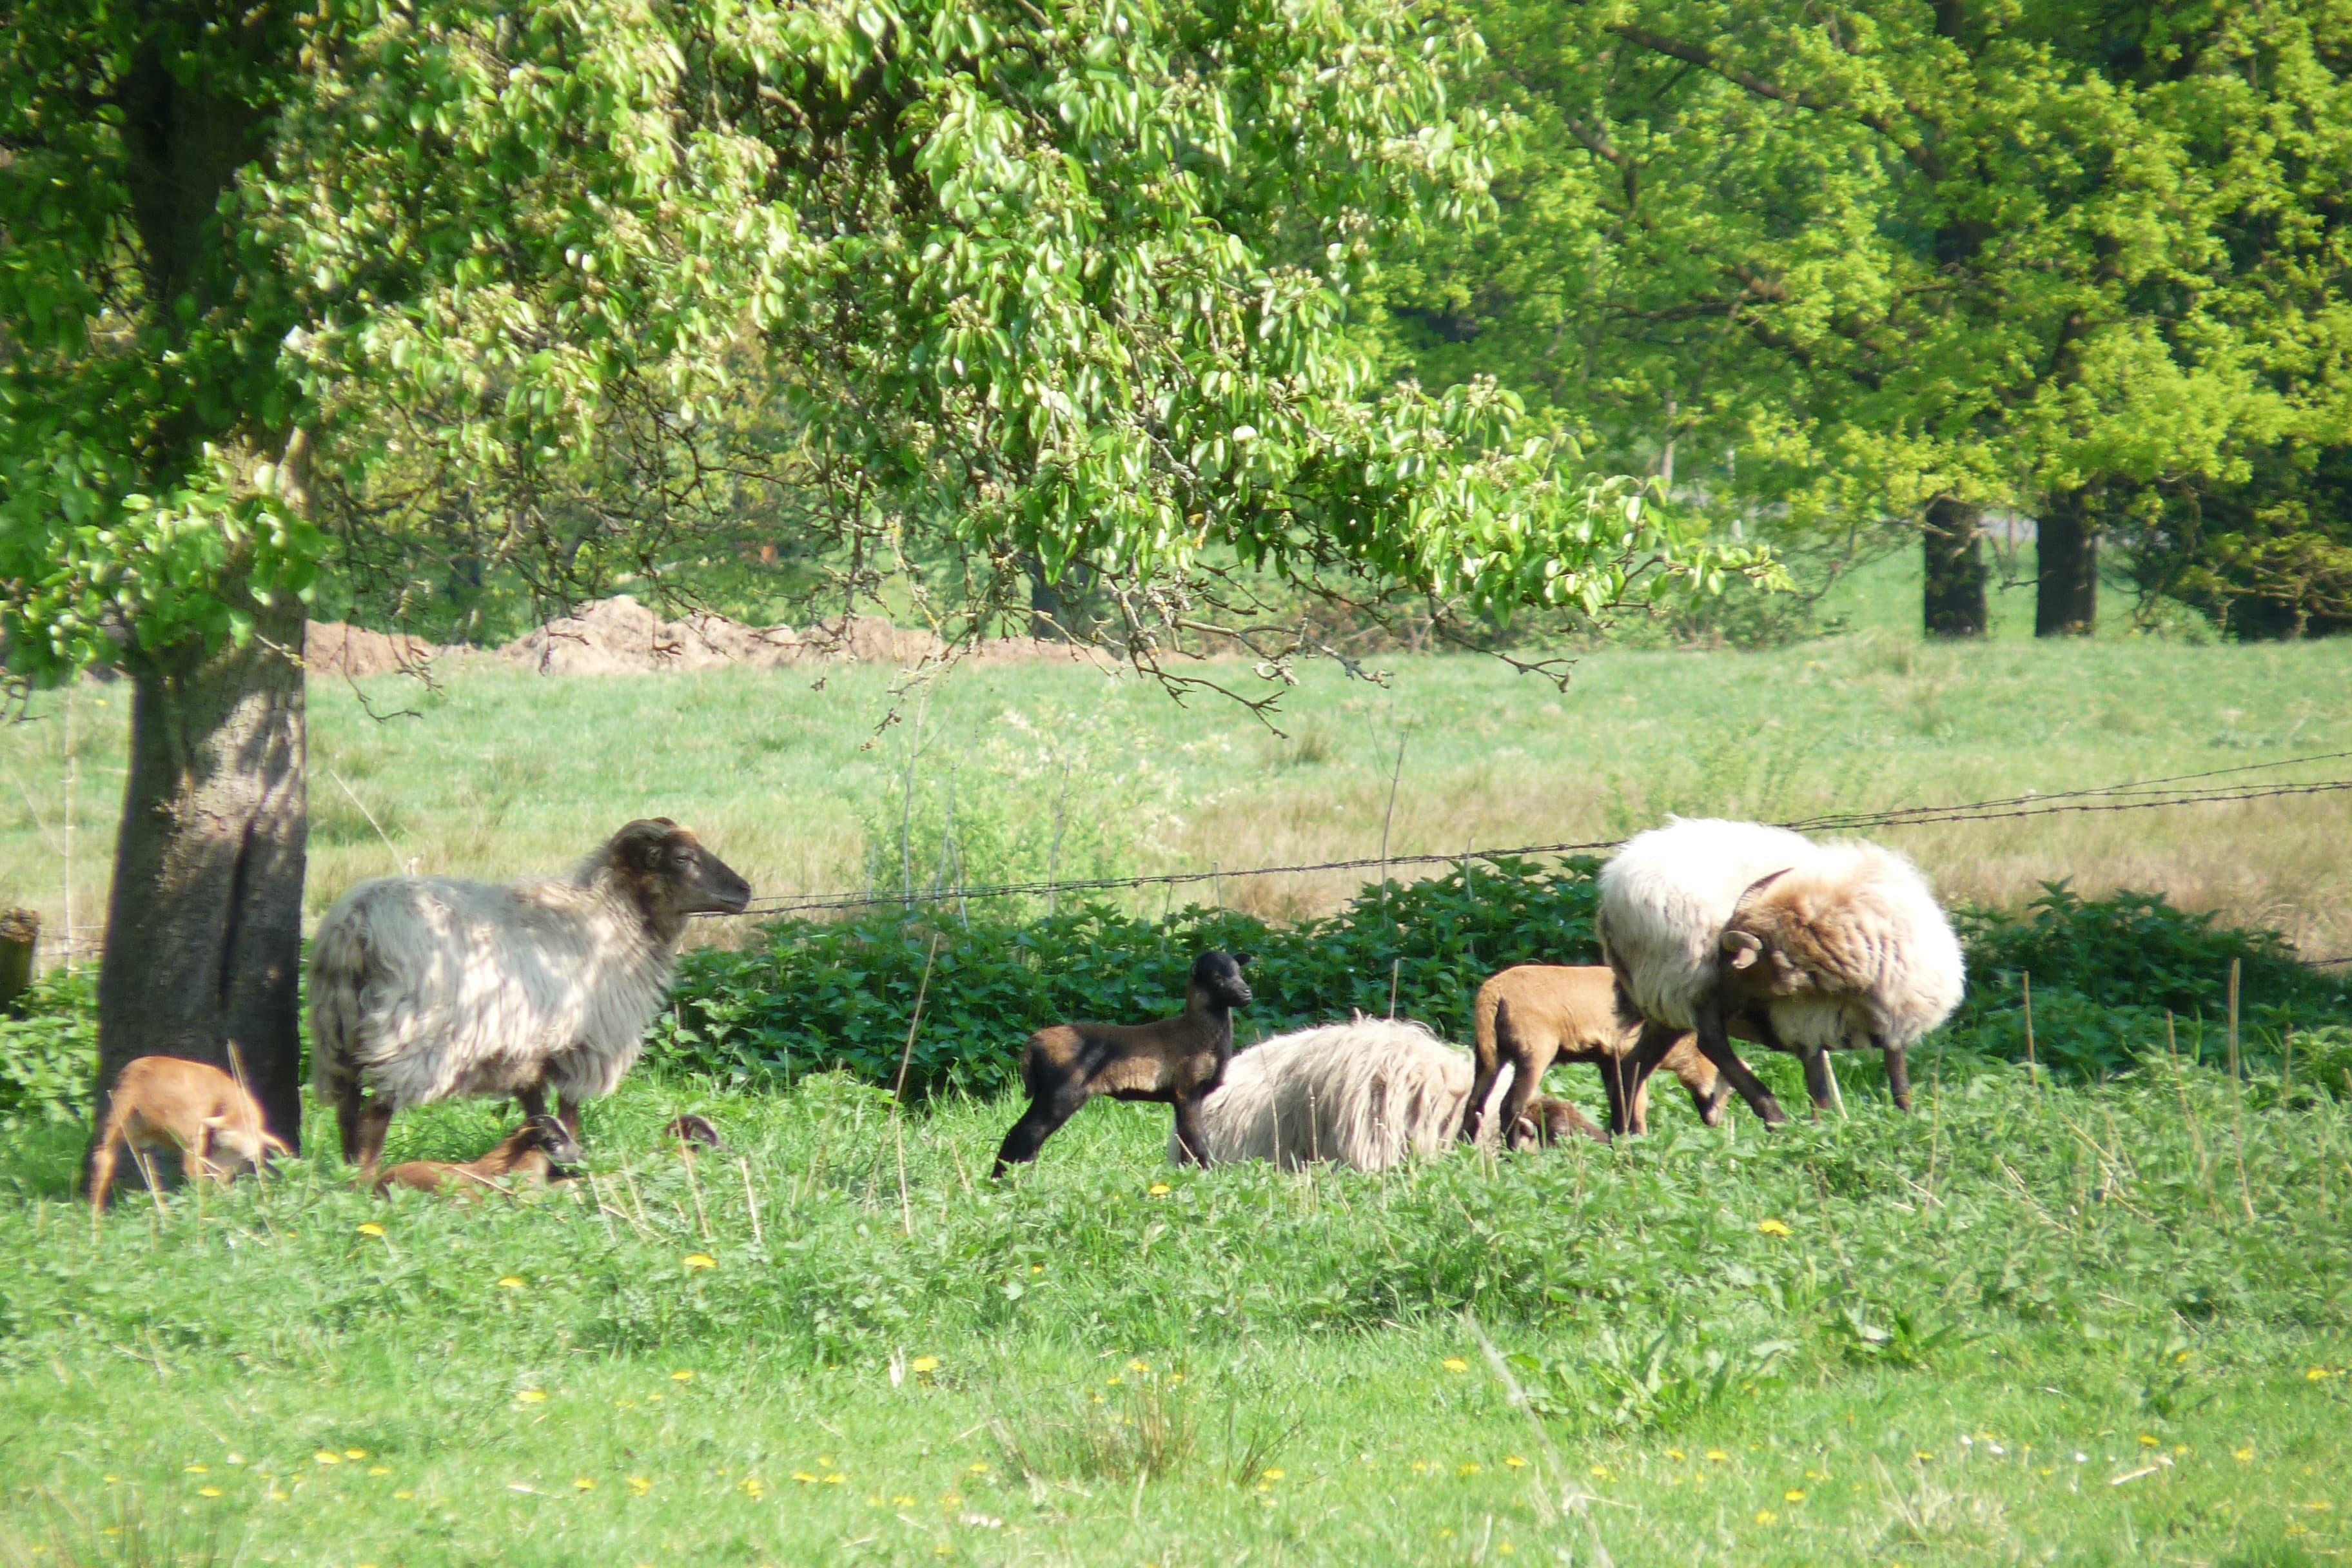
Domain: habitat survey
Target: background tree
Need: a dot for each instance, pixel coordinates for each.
(1912, 260)
(539, 292)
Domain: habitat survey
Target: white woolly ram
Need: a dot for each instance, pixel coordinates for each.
(422, 988)
(1858, 953)
(1368, 1094)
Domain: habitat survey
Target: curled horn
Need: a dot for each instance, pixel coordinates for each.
(1745, 947)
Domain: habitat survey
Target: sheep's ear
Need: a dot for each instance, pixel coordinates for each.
(1743, 947)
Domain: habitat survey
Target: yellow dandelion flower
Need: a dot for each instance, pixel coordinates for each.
(700, 1260)
(1512, 1461)
(582, 1483)
(379, 1469)
(1446, 1536)
(951, 1500)
(355, 1453)
(1505, 1548)
(1274, 1474)
(1113, 1381)
(978, 1466)
(208, 1491)
(1138, 1366)
(322, 1456)
(901, 1500)
(834, 1479)
(1773, 1228)
(1419, 1466)
(198, 1470)
(1765, 1516)
(1175, 1377)
(1923, 1455)
(1099, 1399)
(405, 1495)
(752, 1486)
(682, 1375)
(1455, 1364)
(823, 1463)
(1036, 1268)
(2316, 1374)
(1467, 1469)
(1676, 1455)
(531, 1397)
(805, 1479)
(2147, 1442)
(508, 1282)
(640, 1485)
(923, 1365)
(371, 1229)
(1794, 1494)
(2243, 1456)
(1716, 1457)
(1160, 1190)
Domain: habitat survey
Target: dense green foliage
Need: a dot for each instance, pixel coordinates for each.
(2086, 260)
(1282, 1362)
(818, 996)
(47, 1039)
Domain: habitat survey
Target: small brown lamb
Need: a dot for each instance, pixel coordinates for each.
(528, 1157)
(1533, 1014)
(1174, 1062)
(165, 1102)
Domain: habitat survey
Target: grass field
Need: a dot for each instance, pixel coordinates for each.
(505, 773)
(2078, 1326)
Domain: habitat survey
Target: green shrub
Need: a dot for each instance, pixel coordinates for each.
(820, 995)
(48, 1049)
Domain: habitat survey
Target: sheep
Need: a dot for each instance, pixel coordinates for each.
(1847, 950)
(162, 1102)
(1174, 1062)
(1368, 1094)
(529, 1156)
(422, 988)
(1532, 1014)
(1667, 898)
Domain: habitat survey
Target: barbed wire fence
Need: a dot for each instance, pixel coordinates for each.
(2178, 789)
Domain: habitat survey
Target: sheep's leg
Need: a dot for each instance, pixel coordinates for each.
(1715, 1046)
(1899, 1076)
(1626, 1079)
(351, 1110)
(1528, 1065)
(375, 1121)
(1821, 1082)
(1481, 1086)
(1044, 1116)
(1190, 1138)
(1708, 1102)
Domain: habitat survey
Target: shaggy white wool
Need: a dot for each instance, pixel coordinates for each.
(426, 987)
(1368, 1094)
(1901, 974)
(1664, 897)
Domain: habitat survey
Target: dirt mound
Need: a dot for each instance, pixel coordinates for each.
(332, 647)
(626, 637)
(620, 636)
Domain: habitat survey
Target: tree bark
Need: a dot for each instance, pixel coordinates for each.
(1953, 534)
(204, 929)
(2066, 584)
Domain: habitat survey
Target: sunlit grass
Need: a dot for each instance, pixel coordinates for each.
(2018, 1324)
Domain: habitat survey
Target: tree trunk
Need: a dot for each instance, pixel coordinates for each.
(204, 930)
(1953, 533)
(2066, 587)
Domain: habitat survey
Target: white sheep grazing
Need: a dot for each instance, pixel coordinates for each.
(1669, 895)
(1368, 1094)
(1845, 952)
(422, 988)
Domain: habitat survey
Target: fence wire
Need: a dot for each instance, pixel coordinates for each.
(2137, 794)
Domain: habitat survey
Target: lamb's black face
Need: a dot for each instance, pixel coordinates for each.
(1219, 976)
(560, 1146)
(690, 879)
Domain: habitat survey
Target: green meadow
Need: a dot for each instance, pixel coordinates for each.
(2028, 1323)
